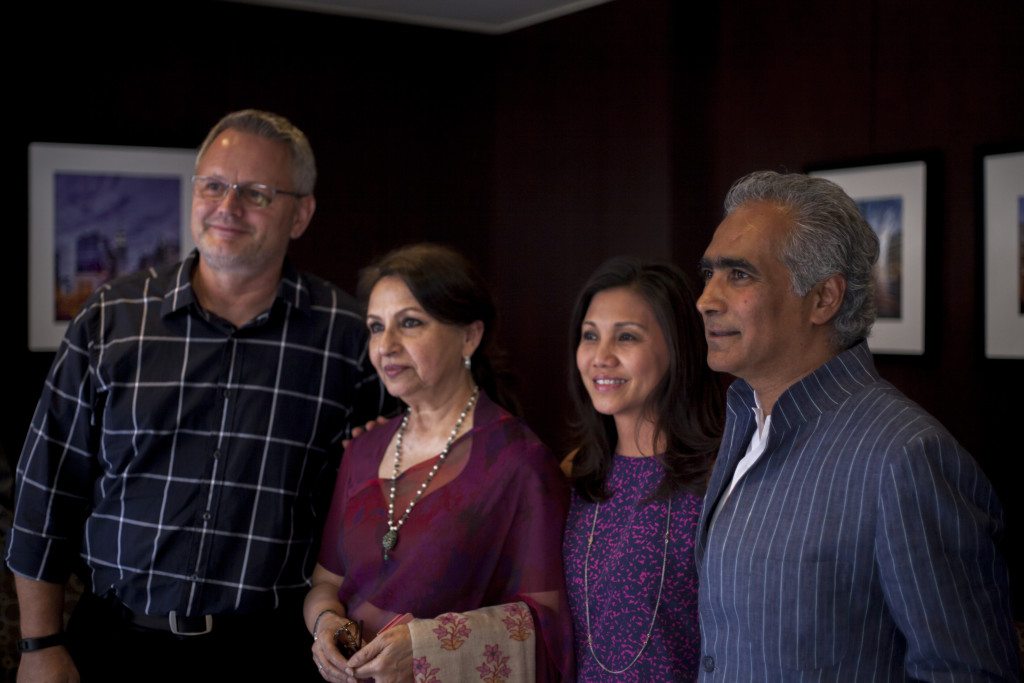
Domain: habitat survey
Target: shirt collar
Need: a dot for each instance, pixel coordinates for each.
(292, 290)
(760, 418)
(824, 389)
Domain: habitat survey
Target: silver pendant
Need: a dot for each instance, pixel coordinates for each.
(388, 541)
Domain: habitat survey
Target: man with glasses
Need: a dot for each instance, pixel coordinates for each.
(182, 447)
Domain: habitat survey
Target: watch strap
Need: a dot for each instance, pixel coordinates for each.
(33, 644)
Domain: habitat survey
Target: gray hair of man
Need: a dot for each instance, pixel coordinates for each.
(272, 127)
(829, 237)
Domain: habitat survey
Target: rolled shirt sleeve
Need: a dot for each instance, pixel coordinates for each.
(57, 469)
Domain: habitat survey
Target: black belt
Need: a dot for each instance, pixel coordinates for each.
(175, 623)
(181, 625)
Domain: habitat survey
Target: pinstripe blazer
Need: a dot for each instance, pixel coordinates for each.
(858, 548)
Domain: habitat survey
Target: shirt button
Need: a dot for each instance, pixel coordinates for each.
(709, 664)
(206, 516)
(216, 453)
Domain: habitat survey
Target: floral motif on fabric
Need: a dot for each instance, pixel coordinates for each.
(423, 673)
(518, 621)
(494, 668)
(452, 631)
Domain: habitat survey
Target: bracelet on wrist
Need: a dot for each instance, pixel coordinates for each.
(41, 643)
(316, 622)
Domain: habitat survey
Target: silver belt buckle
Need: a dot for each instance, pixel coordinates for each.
(172, 619)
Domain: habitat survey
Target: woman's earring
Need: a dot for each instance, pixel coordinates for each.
(467, 363)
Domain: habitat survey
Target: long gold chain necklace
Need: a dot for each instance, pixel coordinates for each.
(657, 603)
(390, 538)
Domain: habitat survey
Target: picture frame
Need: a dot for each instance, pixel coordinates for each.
(892, 197)
(1003, 178)
(98, 212)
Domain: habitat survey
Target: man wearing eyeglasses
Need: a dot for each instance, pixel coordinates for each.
(181, 449)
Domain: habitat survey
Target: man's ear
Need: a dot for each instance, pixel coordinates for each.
(304, 210)
(826, 298)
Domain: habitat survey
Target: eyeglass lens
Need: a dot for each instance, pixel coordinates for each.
(257, 195)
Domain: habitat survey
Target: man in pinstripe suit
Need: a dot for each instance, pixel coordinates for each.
(846, 536)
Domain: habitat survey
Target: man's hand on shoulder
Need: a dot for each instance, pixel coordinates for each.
(369, 426)
(49, 665)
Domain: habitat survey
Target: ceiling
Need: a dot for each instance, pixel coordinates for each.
(479, 16)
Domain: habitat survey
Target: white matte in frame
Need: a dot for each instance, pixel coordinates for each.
(48, 159)
(907, 180)
(1004, 243)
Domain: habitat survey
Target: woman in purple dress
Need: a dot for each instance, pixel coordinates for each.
(441, 552)
(649, 417)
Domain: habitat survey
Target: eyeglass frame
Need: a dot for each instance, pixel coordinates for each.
(353, 643)
(236, 187)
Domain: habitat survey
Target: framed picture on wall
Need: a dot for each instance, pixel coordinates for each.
(96, 213)
(892, 199)
(1004, 255)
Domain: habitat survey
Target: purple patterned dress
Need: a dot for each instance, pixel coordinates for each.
(624, 572)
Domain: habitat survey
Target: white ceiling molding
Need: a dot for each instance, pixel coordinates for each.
(477, 16)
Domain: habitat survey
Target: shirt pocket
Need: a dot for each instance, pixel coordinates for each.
(798, 613)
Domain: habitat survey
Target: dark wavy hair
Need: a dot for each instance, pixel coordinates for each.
(685, 406)
(451, 290)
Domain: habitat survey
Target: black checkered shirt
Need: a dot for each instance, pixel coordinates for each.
(186, 461)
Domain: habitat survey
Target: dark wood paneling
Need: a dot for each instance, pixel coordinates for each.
(542, 152)
(807, 83)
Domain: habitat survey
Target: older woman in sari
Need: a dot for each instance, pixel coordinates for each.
(443, 540)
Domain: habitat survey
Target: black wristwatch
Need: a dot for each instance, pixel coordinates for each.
(33, 644)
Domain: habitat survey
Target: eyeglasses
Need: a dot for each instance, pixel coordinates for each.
(348, 641)
(256, 195)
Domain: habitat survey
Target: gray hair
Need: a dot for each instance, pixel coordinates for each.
(272, 127)
(829, 237)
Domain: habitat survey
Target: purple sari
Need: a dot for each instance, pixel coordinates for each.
(486, 532)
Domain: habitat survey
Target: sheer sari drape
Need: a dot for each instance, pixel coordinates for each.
(487, 532)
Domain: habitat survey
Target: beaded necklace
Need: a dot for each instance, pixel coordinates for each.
(390, 538)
